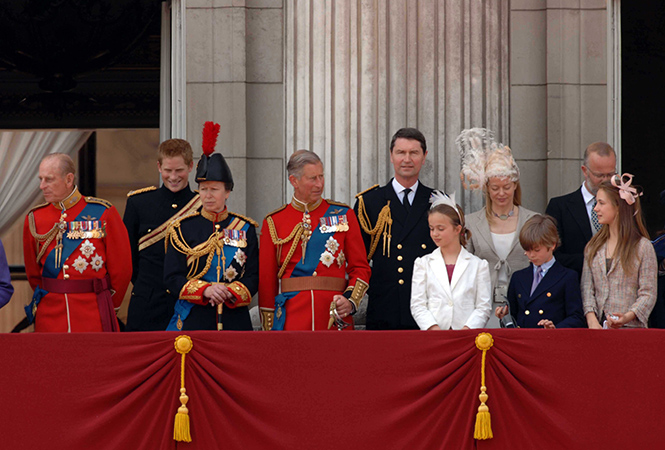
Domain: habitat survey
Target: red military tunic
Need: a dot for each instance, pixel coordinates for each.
(93, 258)
(335, 255)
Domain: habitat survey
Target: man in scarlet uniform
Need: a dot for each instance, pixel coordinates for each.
(77, 255)
(308, 249)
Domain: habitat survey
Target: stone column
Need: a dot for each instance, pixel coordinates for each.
(234, 78)
(356, 71)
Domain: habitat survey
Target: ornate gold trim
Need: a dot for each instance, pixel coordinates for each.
(267, 317)
(141, 191)
(367, 190)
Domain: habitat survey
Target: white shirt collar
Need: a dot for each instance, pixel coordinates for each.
(586, 195)
(399, 188)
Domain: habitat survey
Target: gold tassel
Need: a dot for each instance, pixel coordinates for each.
(483, 430)
(183, 344)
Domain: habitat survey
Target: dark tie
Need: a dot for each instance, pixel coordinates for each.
(594, 218)
(405, 200)
(536, 279)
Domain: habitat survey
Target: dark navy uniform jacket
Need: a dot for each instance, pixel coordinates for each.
(389, 293)
(557, 298)
(151, 307)
(197, 230)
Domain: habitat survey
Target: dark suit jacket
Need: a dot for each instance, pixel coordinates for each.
(557, 298)
(389, 292)
(574, 229)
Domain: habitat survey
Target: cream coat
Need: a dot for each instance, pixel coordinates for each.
(465, 300)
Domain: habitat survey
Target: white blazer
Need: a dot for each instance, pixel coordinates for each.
(466, 300)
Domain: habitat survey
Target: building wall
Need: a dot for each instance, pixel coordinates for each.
(339, 77)
(559, 91)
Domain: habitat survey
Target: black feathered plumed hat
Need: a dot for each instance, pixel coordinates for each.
(212, 166)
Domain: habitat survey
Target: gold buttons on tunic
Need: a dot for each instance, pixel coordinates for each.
(399, 246)
(549, 294)
(314, 274)
(401, 281)
(540, 312)
(424, 246)
(66, 277)
(519, 295)
(174, 206)
(168, 292)
(399, 258)
(400, 269)
(149, 230)
(65, 267)
(527, 312)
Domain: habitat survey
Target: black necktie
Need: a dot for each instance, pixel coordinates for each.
(405, 200)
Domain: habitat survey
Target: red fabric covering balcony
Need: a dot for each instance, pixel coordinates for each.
(316, 390)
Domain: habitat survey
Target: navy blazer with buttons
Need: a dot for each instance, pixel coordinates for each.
(557, 298)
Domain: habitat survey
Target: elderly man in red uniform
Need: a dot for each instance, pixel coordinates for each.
(314, 270)
(77, 255)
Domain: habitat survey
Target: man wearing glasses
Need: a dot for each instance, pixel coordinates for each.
(576, 220)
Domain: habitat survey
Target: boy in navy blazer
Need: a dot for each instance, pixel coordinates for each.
(545, 294)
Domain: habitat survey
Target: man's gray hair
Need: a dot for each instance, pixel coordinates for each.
(600, 148)
(65, 162)
(299, 160)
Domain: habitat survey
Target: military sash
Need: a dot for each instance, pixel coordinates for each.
(49, 270)
(159, 233)
(306, 266)
(236, 228)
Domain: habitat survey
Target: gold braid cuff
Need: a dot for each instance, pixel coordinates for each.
(241, 290)
(267, 315)
(358, 292)
(294, 236)
(383, 227)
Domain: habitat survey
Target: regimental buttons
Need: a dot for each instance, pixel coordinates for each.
(401, 281)
(66, 277)
(149, 230)
(399, 258)
(65, 267)
(399, 246)
(519, 295)
(424, 246)
(527, 312)
(540, 312)
(174, 206)
(167, 291)
(400, 269)
(549, 294)
(314, 274)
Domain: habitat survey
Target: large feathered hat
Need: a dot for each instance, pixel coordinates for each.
(212, 166)
(484, 158)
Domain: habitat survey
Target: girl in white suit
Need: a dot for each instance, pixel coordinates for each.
(450, 288)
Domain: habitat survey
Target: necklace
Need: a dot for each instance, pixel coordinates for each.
(504, 216)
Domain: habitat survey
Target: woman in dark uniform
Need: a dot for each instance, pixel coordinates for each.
(212, 256)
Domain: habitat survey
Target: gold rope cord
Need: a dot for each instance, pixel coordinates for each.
(174, 235)
(383, 227)
(294, 236)
(46, 239)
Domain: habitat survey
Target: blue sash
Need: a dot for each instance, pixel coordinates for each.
(183, 307)
(304, 269)
(68, 246)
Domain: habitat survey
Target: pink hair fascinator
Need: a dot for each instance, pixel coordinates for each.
(626, 191)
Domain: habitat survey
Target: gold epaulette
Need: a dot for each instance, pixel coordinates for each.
(100, 201)
(39, 206)
(276, 211)
(366, 190)
(141, 191)
(245, 218)
(333, 202)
